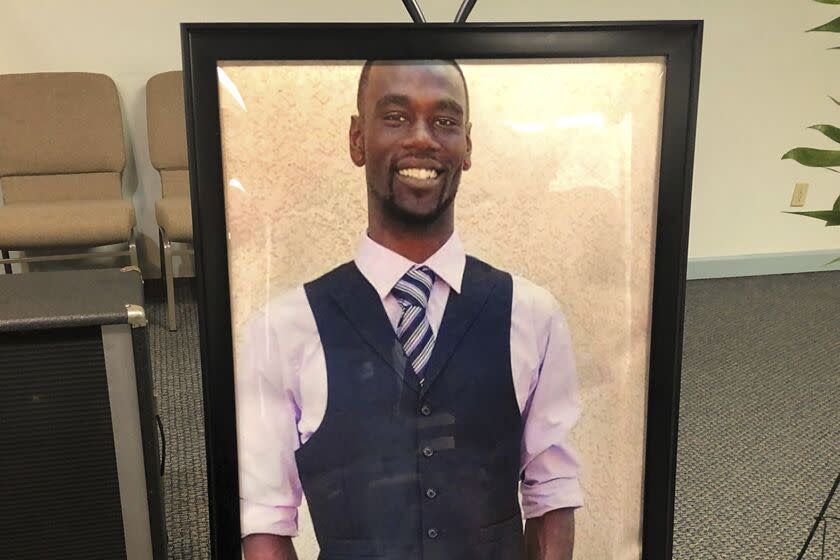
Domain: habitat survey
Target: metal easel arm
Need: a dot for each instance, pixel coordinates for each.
(820, 517)
(417, 15)
(464, 11)
(414, 11)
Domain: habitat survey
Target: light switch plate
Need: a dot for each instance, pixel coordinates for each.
(800, 192)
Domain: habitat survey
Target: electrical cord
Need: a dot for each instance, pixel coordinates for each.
(162, 444)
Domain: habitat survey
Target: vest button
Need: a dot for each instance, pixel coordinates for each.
(433, 533)
(426, 410)
(431, 493)
(428, 451)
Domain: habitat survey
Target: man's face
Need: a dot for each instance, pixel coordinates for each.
(413, 138)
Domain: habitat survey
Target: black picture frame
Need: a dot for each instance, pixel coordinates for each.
(204, 45)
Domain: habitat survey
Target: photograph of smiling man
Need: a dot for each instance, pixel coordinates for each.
(440, 292)
(411, 393)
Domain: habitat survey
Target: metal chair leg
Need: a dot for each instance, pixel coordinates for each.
(132, 249)
(24, 265)
(168, 277)
(7, 267)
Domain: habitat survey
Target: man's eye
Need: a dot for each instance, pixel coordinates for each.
(443, 121)
(394, 117)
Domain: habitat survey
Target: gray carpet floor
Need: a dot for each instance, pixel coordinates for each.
(759, 439)
(176, 369)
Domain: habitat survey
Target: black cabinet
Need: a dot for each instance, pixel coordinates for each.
(80, 473)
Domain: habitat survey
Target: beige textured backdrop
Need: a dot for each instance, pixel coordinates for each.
(562, 191)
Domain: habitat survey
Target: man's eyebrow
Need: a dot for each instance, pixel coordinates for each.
(450, 104)
(392, 99)
(446, 104)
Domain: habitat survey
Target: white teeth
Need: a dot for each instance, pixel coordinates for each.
(417, 173)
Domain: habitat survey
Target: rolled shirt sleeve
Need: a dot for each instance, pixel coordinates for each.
(268, 411)
(552, 407)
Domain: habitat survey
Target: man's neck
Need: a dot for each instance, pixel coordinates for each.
(417, 245)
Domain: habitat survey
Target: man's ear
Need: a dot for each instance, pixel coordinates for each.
(357, 141)
(468, 153)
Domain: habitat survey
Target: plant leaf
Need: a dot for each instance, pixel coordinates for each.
(813, 157)
(832, 26)
(828, 1)
(831, 131)
(832, 98)
(830, 217)
(832, 261)
(836, 206)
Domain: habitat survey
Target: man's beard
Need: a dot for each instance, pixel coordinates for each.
(400, 215)
(403, 216)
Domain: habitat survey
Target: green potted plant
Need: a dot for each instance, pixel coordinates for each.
(826, 159)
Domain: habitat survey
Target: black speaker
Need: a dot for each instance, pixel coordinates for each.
(80, 471)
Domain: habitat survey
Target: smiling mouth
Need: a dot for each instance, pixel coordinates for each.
(420, 173)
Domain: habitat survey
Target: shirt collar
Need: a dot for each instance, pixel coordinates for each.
(383, 268)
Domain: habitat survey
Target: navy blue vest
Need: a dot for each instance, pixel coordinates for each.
(404, 470)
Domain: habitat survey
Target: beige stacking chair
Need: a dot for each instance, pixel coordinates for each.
(168, 151)
(61, 162)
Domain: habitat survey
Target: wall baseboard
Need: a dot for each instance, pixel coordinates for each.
(761, 265)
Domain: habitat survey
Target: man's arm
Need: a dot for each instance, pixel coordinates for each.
(268, 368)
(550, 487)
(551, 536)
(262, 546)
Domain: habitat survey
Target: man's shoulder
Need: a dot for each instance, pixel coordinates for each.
(523, 287)
(535, 308)
(293, 302)
(529, 289)
(540, 303)
(527, 295)
(283, 307)
(279, 327)
(478, 265)
(335, 277)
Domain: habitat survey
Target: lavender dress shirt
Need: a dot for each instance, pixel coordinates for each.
(281, 382)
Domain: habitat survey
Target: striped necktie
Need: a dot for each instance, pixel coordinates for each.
(413, 330)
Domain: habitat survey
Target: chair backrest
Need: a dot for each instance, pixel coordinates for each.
(61, 137)
(166, 123)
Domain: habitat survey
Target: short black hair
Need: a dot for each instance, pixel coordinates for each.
(365, 76)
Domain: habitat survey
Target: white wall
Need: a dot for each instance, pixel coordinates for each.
(763, 82)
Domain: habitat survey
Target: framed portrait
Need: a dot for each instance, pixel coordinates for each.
(441, 275)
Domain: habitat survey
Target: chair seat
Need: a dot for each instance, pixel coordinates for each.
(68, 223)
(174, 215)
